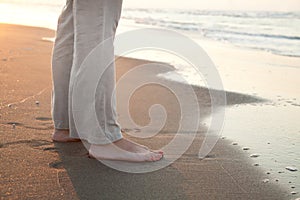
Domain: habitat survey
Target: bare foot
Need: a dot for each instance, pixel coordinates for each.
(63, 136)
(124, 150)
(134, 147)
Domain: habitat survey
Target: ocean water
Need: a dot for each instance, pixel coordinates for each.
(275, 32)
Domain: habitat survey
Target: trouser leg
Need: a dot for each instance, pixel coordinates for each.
(62, 60)
(94, 22)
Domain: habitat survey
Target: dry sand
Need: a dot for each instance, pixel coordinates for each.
(32, 167)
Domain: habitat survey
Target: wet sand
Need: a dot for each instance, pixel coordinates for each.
(34, 167)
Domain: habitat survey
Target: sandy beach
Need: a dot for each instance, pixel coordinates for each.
(33, 167)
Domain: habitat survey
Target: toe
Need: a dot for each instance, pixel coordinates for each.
(155, 157)
(157, 151)
(160, 152)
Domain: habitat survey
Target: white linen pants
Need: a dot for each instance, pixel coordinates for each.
(82, 25)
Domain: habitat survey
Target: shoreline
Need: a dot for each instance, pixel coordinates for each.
(51, 162)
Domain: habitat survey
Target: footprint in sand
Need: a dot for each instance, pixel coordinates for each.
(43, 126)
(52, 149)
(43, 118)
(31, 143)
